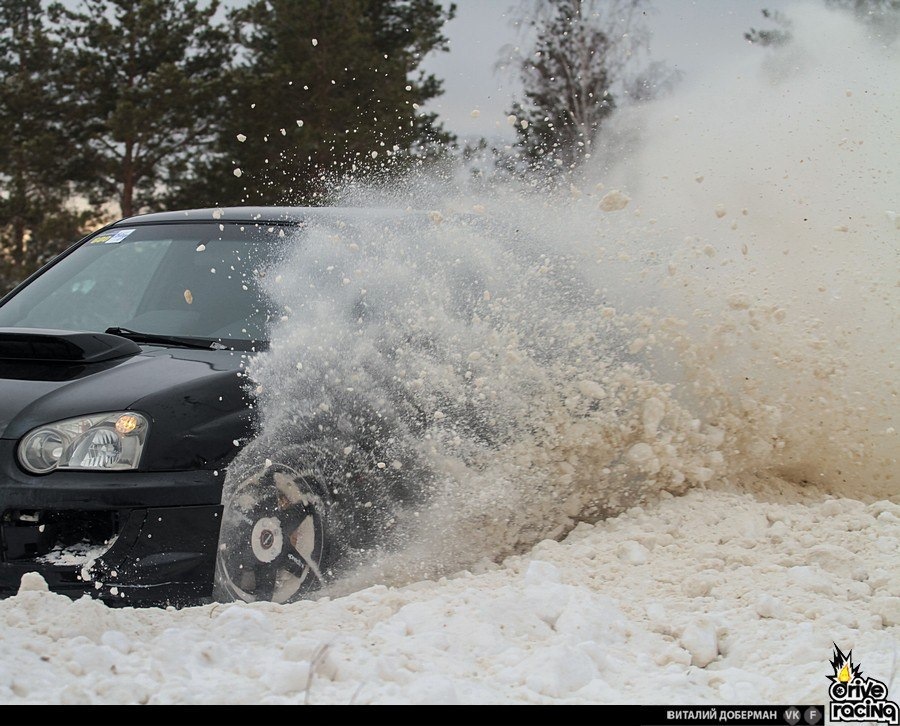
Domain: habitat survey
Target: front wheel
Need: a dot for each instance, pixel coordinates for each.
(274, 542)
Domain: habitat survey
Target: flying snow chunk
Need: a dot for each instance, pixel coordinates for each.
(315, 42)
(242, 138)
(653, 414)
(592, 389)
(614, 200)
(720, 211)
(739, 301)
(511, 120)
(475, 113)
(641, 453)
(300, 123)
(237, 172)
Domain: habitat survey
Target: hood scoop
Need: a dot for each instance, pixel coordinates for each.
(23, 345)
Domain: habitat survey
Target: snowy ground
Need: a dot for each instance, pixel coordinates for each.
(714, 597)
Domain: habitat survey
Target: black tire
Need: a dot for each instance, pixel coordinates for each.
(354, 476)
(275, 543)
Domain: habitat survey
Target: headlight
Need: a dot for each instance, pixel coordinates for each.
(104, 442)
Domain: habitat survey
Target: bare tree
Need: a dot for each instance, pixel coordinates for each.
(585, 61)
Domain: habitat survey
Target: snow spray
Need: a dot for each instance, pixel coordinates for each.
(712, 301)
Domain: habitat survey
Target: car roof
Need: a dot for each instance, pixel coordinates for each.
(266, 215)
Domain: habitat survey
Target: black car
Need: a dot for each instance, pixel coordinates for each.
(123, 401)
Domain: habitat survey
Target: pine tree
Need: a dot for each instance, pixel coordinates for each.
(148, 75)
(36, 146)
(323, 88)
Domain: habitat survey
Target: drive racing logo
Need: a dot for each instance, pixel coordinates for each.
(855, 697)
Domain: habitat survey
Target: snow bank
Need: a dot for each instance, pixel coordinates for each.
(716, 596)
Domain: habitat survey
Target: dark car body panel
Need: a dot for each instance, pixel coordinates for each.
(265, 215)
(156, 528)
(164, 518)
(62, 346)
(180, 388)
(160, 523)
(157, 556)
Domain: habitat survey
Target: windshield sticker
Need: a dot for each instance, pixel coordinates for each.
(111, 239)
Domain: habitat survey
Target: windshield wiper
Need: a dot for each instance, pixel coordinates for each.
(153, 339)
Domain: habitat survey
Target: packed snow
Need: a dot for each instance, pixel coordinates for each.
(726, 596)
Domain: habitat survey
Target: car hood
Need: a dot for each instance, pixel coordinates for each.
(158, 381)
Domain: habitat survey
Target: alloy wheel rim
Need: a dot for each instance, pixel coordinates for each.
(275, 544)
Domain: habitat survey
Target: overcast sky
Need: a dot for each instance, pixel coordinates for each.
(688, 34)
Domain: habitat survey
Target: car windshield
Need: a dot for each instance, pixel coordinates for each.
(194, 281)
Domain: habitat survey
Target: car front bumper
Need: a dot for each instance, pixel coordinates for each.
(129, 538)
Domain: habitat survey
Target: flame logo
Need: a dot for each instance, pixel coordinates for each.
(844, 668)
